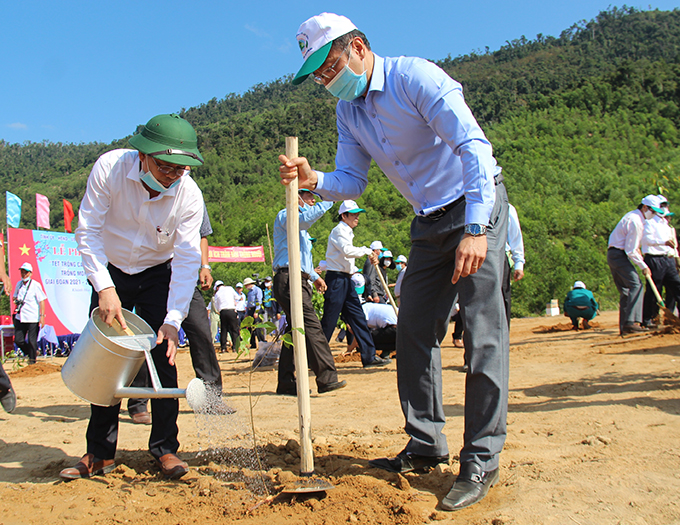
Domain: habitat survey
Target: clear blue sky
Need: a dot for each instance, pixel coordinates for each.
(91, 70)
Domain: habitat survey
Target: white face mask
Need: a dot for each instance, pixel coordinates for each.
(26, 280)
(648, 214)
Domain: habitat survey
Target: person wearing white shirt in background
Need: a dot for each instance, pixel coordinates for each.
(241, 303)
(659, 251)
(139, 237)
(514, 247)
(382, 321)
(622, 253)
(341, 295)
(225, 303)
(29, 314)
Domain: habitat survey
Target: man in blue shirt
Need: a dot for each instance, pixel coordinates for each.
(410, 117)
(319, 353)
(580, 304)
(254, 309)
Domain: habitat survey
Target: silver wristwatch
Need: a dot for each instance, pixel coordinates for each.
(205, 267)
(475, 229)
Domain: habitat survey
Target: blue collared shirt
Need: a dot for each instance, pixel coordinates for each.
(254, 298)
(308, 216)
(415, 124)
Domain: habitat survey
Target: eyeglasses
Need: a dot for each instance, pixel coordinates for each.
(167, 169)
(327, 74)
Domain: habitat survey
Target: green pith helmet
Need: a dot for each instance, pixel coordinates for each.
(169, 138)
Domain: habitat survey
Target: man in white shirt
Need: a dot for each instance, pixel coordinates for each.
(29, 314)
(139, 237)
(341, 295)
(623, 252)
(382, 321)
(659, 250)
(225, 303)
(241, 303)
(371, 292)
(514, 247)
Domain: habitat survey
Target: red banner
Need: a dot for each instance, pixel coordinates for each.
(236, 254)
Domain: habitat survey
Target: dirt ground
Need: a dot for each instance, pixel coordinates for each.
(593, 438)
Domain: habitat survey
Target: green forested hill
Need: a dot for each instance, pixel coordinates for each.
(583, 124)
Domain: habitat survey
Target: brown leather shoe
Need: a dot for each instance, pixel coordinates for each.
(88, 466)
(172, 466)
(141, 418)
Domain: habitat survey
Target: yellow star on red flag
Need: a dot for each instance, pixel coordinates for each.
(24, 249)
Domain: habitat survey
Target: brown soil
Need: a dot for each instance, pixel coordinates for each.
(593, 437)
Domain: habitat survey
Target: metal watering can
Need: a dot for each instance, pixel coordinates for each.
(104, 362)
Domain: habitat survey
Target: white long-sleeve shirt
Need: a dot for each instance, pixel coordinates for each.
(515, 243)
(340, 253)
(655, 234)
(225, 298)
(627, 236)
(119, 223)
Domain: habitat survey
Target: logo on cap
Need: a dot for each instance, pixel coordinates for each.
(303, 42)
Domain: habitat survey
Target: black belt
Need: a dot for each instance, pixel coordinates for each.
(438, 214)
(664, 256)
(284, 269)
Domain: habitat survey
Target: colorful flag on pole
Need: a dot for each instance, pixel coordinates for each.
(13, 210)
(42, 207)
(68, 216)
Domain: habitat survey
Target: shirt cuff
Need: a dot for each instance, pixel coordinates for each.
(101, 280)
(477, 213)
(174, 318)
(519, 266)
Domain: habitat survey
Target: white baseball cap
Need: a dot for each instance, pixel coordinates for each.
(239, 285)
(386, 254)
(654, 203)
(217, 284)
(26, 266)
(315, 38)
(350, 207)
(579, 284)
(401, 259)
(376, 245)
(359, 280)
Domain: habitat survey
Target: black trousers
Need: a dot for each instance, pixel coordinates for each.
(147, 292)
(385, 339)
(256, 334)
(229, 323)
(342, 297)
(203, 358)
(26, 338)
(319, 354)
(457, 326)
(664, 275)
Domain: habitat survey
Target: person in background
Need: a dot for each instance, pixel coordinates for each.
(401, 265)
(659, 249)
(29, 314)
(225, 302)
(622, 253)
(254, 309)
(8, 397)
(341, 295)
(241, 303)
(580, 304)
(514, 248)
(371, 292)
(319, 356)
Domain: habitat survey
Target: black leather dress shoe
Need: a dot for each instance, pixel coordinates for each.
(378, 361)
(407, 462)
(471, 485)
(287, 390)
(335, 385)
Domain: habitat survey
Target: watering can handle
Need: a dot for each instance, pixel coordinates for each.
(118, 328)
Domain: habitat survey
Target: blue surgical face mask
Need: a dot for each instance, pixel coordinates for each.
(147, 178)
(347, 85)
(399, 266)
